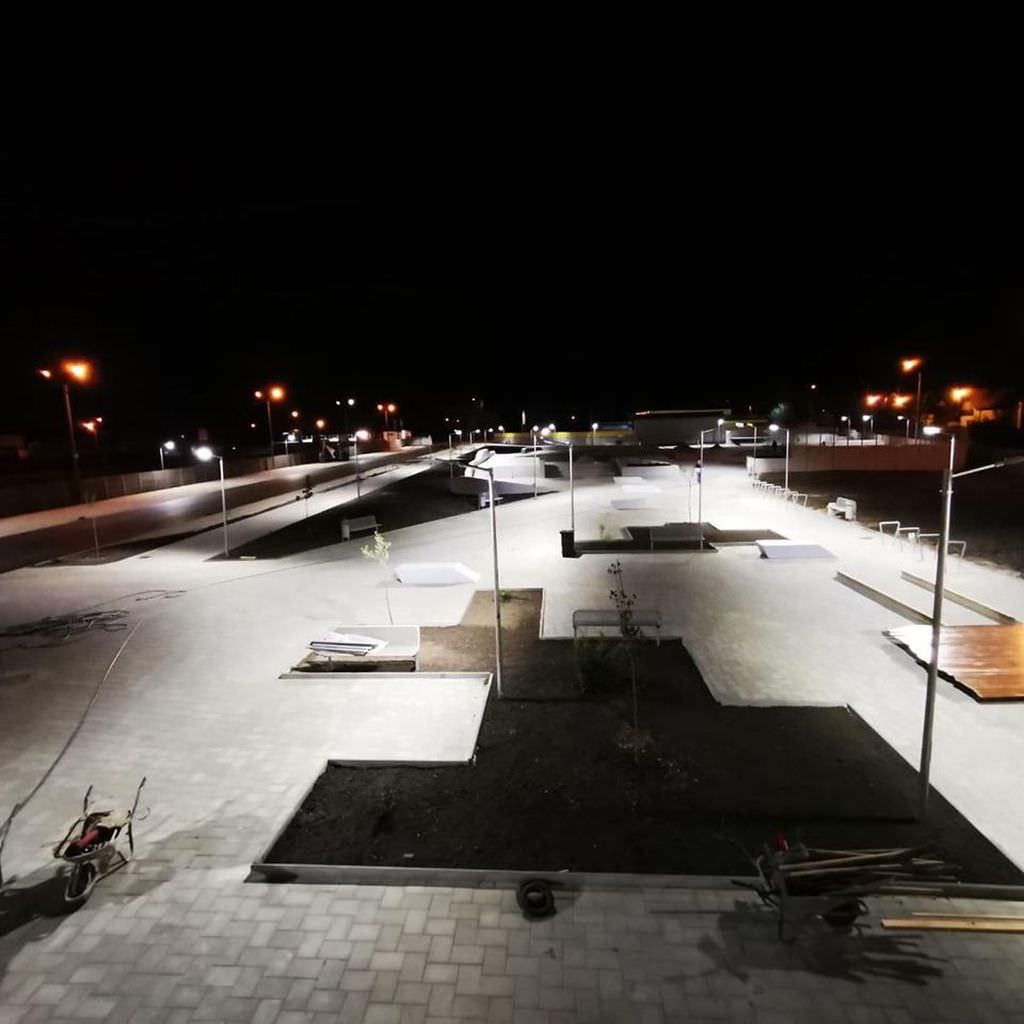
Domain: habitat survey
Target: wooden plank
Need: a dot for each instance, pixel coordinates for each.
(956, 924)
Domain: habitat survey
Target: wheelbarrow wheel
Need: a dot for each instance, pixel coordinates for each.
(81, 879)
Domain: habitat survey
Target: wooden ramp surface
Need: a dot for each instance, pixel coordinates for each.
(986, 661)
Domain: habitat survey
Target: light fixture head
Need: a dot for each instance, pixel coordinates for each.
(773, 427)
(203, 453)
(169, 446)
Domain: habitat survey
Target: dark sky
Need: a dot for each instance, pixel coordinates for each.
(589, 286)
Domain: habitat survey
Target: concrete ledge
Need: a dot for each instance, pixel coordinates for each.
(473, 878)
(961, 599)
(882, 598)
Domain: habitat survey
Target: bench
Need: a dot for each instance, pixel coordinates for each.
(350, 526)
(844, 507)
(583, 618)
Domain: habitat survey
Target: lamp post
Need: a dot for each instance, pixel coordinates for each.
(909, 366)
(774, 428)
(81, 371)
(940, 577)
(869, 419)
(348, 404)
(498, 649)
(451, 465)
(700, 486)
(906, 423)
(533, 431)
(593, 434)
(167, 446)
(359, 435)
(204, 454)
(572, 486)
(276, 393)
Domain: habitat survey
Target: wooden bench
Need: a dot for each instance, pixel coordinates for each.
(583, 618)
(350, 526)
(844, 507)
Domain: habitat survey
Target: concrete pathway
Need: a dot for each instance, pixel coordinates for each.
(193, 702)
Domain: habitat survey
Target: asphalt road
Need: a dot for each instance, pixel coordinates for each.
(172, 511)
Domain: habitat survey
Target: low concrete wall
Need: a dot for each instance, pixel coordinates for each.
(57, 493)
(904, 458)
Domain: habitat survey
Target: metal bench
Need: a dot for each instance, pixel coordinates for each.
(583, 618)
(360, 523)
(846, 508)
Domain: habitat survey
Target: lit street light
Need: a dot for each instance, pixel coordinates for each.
(204, 454)
(273, 393)
(870, 421)
(534, 431)
(700, 482)
(909, 366)
(451, 464)
(906, 422)
(572, 486)
(80, 371)
(774, 428)
(940, 579)
(593, 433)
(167, 446)
(359, 435)
(498, 651)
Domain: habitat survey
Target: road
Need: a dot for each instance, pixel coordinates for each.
(41, 536)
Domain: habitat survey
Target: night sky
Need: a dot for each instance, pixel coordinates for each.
(562, 288)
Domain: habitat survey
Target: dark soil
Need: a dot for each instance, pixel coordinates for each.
(551, 788)
(988, 508)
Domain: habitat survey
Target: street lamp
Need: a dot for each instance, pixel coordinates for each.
(451, 464)
(593, 433)
(80, 371)
(870, 421)
(204, 454)
(498, 651)
(774, 428)
(273, 393)
(167, 446)
(534, 430)
(572, 486)
(700, 483)
(940, 578)
(909, 366)
(359, 435)
(906, 423)
(387, 408)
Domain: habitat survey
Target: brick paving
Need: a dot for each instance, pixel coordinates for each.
(229, 750)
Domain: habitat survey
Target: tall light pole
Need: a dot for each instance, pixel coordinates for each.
(204, 454)
(700, 486)
(774, 428)
(572, 486)
(909, 366)
(167, 446)
(533, 431)
(359, 435)
(869, 419)
(593, 434)
(940, 579)
(273, 393)
(78, 370)
(346, 405)
(498, 648)
(906, 423)
(451, 464)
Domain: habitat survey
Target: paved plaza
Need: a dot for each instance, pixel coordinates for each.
(194, 703)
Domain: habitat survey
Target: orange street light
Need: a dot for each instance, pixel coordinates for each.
(959, 394)
(872, 400)
(78, 369)
(273, 393)
(320, 424)
(295, 414)
(911, 365)
(899, 401)
(89, 425)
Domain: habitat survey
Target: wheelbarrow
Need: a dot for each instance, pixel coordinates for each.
(92, 846)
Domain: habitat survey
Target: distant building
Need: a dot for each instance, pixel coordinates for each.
(677, 426)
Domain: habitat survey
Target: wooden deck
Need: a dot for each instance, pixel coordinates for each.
(985, 661)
